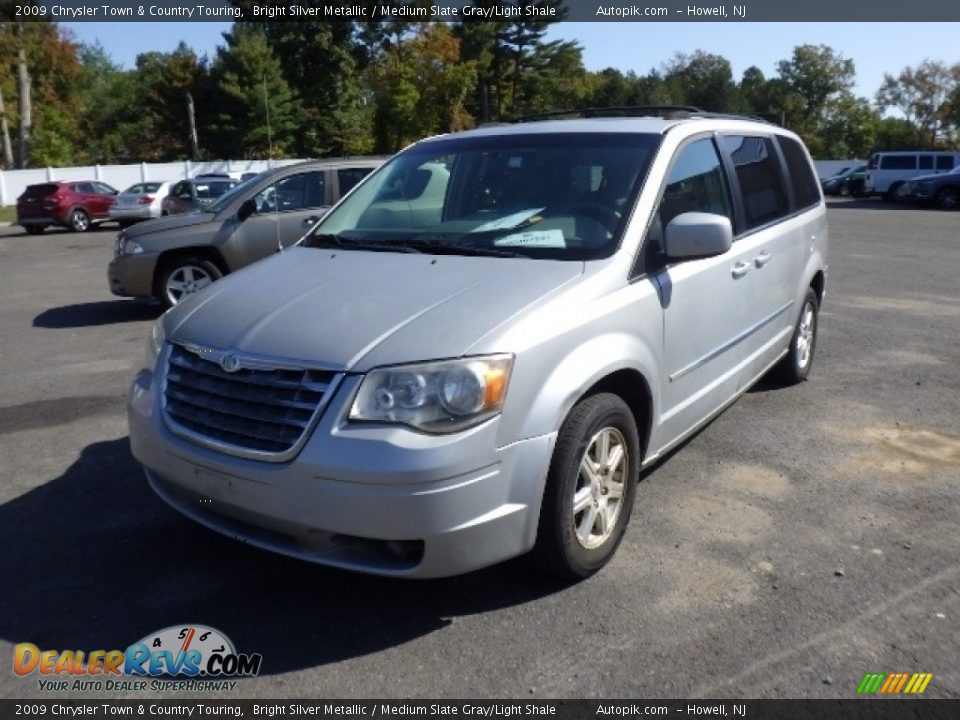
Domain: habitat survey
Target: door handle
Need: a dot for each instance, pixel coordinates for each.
(762, 259)
(740, 269)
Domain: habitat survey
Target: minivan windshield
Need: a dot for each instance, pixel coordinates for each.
(559, 195)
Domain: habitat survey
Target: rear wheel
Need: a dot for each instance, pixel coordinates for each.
(35, 229)
(183, 276)
(948, 198)
(891, 194)
(590, 488)
(795, 367)
(79, 220)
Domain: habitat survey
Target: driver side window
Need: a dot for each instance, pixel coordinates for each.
(696, 184)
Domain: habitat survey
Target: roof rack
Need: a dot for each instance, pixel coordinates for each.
(621, 111)
(669, 112)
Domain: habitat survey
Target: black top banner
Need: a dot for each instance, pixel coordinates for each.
(486, 10)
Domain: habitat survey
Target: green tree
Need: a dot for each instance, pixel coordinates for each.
(257, 112)
(814, 76)
(923, 95)
(54, 68)
(165, 79)
(325, 62)
(704, 80)
(420, 88)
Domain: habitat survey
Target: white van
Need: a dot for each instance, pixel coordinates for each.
(887, 171)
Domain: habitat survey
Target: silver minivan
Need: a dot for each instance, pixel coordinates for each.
(472, 356)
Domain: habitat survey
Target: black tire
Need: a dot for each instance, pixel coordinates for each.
(948, 198)
(795, 366)
(191, 267)
(35, 229)
(79, 220)
(559, 550)
(891, 194)
(844, 190)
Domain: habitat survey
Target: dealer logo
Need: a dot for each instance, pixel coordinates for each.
(191, 651)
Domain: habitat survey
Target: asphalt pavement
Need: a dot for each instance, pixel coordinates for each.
(807, 536)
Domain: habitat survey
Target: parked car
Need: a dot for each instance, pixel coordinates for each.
(176, 256)
(141, 201)
(425, 393)
(848, 181)
(196, 194)
(888, 171)
(942, 190)
(74, 205)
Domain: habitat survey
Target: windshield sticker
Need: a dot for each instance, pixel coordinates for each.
(534, 238)
(508, 221)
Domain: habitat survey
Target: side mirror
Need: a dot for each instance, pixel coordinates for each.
(697, 235)
(246, 209)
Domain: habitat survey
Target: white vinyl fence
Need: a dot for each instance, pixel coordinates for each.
(13, 182)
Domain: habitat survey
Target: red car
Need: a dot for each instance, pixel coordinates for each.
(76, 205)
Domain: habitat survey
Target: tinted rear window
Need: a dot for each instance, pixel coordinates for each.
(213, 189)
(898, 162)
(758, 172)
(40, 190)
(348, 177)
(944, 162)
(806, 190)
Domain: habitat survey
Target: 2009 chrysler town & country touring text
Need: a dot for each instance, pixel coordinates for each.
(473, 355)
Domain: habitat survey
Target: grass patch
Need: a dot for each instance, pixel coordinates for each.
(8, 214)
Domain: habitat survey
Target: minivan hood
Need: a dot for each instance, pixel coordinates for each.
(170, 222)
(353, 310)
(931, 176)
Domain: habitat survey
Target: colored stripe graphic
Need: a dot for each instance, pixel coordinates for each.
(894, 683)
(870, 683)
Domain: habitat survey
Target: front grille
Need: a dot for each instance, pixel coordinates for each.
(250, 411)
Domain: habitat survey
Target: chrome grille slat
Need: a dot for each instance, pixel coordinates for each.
(202, 400)
(252, 412)
(235, 425)
(269, 378)
(252, 393)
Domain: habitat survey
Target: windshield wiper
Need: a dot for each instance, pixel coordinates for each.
(437, 243)
(349, 244)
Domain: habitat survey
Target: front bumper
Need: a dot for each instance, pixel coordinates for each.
(132, 275)
(375, 499)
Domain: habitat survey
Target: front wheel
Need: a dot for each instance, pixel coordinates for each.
(182, 277)
(795, 367)
(590, 488)
(948, 198)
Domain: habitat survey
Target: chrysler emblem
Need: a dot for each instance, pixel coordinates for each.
(230, 362)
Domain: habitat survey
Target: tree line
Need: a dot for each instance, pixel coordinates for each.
(321, 88)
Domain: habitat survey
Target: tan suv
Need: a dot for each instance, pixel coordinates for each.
(172, 257)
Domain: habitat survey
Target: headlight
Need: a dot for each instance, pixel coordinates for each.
(124, 246)
(437, 397)
(158, 336)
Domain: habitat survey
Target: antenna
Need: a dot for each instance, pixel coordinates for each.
(276, 195)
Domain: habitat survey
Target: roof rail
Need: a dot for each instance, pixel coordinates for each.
(669, 112)
(621, 111)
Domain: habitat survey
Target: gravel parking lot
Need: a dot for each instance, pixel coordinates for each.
(806, 537)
